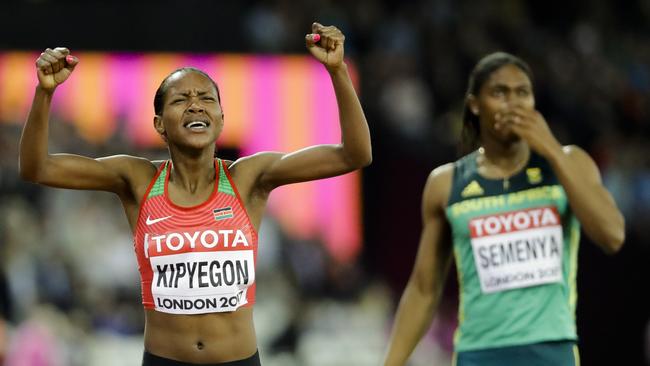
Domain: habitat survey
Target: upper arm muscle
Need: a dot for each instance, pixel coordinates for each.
(434, 253)
(311, 163)
(111, 173)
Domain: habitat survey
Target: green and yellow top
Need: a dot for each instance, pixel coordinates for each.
(515, 243)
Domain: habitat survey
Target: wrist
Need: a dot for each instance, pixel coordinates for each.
(554, 154)
(45, 91)
(341, 68)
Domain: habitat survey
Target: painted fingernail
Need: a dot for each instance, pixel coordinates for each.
(69, 59)
(316, 37)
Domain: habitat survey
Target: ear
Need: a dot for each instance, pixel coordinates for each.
(160, 128)
(472, 103)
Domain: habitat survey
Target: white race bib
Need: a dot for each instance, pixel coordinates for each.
(517, 249)
(201, 282)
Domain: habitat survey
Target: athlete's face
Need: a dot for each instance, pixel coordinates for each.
(506, 89)
(192, 116)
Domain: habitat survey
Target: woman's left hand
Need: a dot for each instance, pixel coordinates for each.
(326, 45)
(531, 126)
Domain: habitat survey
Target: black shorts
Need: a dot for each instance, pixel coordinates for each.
(152, 360)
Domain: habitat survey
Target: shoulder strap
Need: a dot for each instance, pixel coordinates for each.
(224, 182)
(464, 174)
(158, 187)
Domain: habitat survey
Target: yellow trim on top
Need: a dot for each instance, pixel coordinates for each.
(526, 196)
(574, 243)
(576, 355)
(461, 305)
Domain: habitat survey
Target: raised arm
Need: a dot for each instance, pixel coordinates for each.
(592, 204)
(422, 294)
(590, 201)
(353, 152)
(53, 67)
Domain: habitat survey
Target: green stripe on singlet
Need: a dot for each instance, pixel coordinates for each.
(159, 186)
(224, 183)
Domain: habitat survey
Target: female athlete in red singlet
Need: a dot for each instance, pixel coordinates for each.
(195, 218)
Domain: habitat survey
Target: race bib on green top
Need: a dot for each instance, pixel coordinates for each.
(517, 249)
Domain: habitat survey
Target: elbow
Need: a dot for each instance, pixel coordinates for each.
(614, 239)
(358, 163)
(28, 174)
(614, 242)
(362, 160)
(356, 155)
(366, 161)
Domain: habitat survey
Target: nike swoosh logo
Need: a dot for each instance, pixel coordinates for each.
(151, 222)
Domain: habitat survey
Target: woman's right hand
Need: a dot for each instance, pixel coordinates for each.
(53, 67)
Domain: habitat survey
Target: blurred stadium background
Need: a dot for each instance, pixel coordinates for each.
(334, 255)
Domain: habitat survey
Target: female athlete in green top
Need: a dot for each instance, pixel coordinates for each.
(510, 212)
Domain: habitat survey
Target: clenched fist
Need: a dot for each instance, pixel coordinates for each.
(326, 44)
(53, 67)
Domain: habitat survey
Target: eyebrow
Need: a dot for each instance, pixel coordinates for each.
(187, 94)
(506, 86)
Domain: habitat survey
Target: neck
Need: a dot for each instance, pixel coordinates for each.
(505, 155)
(192, 170)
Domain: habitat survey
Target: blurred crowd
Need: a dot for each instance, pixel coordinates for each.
(68, 276)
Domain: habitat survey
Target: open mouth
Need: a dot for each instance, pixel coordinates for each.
(196, 125)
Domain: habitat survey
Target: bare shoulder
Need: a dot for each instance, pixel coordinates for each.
(247, 170)
(445, 171)
(260, 159)
(438, 186)
(134, 169)
(579, 157)
(156, 163)
(126, 160)
(133, 162)
(253, 165)
(440, 178)
(583, 160)
(576, 152)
